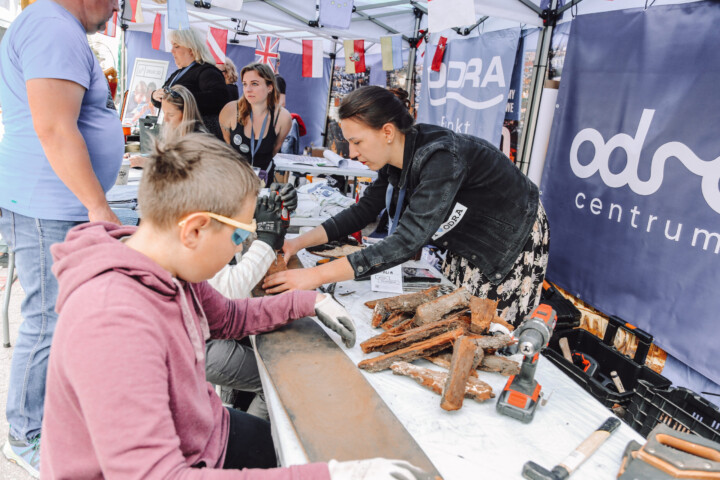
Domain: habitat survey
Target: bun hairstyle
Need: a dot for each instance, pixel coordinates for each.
(194, 173)
(402, 94)
(375, 106)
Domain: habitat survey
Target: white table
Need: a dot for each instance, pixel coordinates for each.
(474, 442)
(304, 164)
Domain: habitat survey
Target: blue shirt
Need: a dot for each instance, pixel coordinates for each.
(46, 41)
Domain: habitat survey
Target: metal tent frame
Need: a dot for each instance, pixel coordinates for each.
(295, 20)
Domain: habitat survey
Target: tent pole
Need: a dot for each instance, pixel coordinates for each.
(536, 86)
(410, 85)
(122, 67)
(122, 57)
(333, 55)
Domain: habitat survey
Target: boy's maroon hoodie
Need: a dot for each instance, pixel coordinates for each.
(126, 391)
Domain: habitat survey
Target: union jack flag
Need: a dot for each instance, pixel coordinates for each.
(266, 50)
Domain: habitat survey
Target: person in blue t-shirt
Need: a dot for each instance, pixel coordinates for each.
(62, 150)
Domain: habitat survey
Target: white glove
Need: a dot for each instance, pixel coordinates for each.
(337, 319)
(376, 469)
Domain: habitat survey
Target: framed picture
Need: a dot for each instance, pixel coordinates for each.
(148, 75)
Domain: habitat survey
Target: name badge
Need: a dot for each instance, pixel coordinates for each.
(389, 280)
(457, 214)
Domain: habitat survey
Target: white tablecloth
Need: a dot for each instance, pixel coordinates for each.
(305, 164)
(474, 442)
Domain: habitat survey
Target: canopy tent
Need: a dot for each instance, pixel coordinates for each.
(293, 21)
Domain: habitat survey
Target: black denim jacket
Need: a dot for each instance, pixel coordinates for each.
(456, 184)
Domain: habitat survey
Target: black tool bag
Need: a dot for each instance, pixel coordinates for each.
(568, 316)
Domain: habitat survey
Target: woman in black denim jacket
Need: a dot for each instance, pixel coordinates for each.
(454, 191)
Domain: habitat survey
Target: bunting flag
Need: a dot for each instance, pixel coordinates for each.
(133, 11)
(421, 45)
(336, 13)
(391, 48)
(444, 14)
(160, 40)
(111, 26)
(217, 43)
(266, 50)
(177, 16)
(235, 5)
(439, 53)
(312, 58)
(354, 56)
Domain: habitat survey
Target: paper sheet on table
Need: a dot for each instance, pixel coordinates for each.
(336, 160)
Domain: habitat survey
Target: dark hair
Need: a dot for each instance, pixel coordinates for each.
(281, 84)
(375, 106)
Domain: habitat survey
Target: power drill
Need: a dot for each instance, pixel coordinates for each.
(520, 397)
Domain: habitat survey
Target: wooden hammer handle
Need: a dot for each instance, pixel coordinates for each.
(565, 347)
(589, 445)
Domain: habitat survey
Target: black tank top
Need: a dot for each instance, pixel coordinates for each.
(264, 154)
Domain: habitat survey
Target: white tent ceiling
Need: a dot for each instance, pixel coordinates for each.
(372, 19)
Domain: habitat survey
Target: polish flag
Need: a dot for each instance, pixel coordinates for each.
(312, 58)
(439, 53)
(217, 42)
(111, 26)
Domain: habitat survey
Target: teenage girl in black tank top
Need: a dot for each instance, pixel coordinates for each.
(243, 144)
(256, 124)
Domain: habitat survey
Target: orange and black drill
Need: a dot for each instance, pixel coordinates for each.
(520, 397)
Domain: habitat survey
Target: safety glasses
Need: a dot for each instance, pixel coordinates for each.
(242, 230)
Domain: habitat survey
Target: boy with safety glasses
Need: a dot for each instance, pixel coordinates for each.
(126, 390)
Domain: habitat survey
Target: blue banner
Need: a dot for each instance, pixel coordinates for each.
(632, 180)
(469, 93)
(512, 109)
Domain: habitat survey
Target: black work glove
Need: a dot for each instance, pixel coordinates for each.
(287, 193)
(271, 229)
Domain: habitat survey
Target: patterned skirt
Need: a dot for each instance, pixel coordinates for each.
(519, 292)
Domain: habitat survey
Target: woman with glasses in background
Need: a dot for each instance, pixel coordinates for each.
(196, 72)
(180, 117)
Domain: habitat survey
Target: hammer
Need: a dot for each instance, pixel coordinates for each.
(533, 471)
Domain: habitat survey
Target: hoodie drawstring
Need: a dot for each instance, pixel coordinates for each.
(198, 345)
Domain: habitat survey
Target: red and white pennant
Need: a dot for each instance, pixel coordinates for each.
(217, 43)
